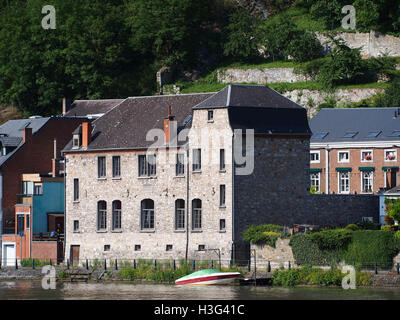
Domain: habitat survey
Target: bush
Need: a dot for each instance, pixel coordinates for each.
(306, 251)
(388, 220)
(372, 246)
(263, 234)
(331, 239)
(304, 47)
(394, 211)
(386, 228)
(352, 227)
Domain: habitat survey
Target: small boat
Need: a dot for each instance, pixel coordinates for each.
(207, 277)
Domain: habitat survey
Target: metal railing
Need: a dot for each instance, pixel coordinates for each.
(47, 236)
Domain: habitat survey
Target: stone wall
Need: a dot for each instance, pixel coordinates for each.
(259, 76)
(278, 192)
(279, 256)
(372, 44)
(164, 189)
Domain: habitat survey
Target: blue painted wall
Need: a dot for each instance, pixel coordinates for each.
(52, 200)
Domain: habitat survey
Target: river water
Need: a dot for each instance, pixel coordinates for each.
(23, 289)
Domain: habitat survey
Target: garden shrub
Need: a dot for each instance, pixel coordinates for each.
(263, 234)
(386, 228)
(331, 239)
(306, 251)
(352, 227)
(372, 246)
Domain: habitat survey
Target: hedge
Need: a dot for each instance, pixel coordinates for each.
(263, 234)
(372, 246)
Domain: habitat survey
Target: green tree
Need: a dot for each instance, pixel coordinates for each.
(277, 34)
(367, 17)
(304, 47)
(241, 35)
(391, 97)
(394, 211)
(344, 65)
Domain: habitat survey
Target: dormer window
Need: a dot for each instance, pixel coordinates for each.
(75, 141)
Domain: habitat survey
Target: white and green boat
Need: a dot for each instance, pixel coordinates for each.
(208, 277)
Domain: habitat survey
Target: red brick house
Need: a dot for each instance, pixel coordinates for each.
(355, 151)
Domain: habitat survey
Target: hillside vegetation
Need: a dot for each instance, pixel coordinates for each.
(112, 49)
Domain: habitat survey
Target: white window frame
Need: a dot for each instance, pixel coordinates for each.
(390, 150)
(319, 156)
(348, 157)
(318, 174)
(349, 177)
(362, 158)
(362, 181)
(74, 138)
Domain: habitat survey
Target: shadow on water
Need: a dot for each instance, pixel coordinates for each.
(129, 291)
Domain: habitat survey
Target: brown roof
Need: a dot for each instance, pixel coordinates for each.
(126, 126)
(82, 108)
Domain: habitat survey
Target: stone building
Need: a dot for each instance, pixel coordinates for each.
(170, 176)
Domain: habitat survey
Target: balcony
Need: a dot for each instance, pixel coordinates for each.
(47, 236)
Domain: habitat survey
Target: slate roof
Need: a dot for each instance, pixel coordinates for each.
(126, 126)
(393, 191)
(11, 133)
(254, 107)
(364, 123)
(237, 95)
(83, 108)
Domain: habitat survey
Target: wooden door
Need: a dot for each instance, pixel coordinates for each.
(74, 255)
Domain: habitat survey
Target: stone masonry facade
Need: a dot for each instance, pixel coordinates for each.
(164, 189)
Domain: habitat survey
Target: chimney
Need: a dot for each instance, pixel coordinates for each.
(170, 128)
(66, 104)
(86, 133)
(27, 137)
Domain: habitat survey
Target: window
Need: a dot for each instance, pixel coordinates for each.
(76, 225)
(366, 156)
(138, 247)
(343, 156)
(180, 164)
(314, 156)
(101, 215)
(38, 189)
(147, 216)
(373, 134)
(27, 188)
(116, 215)
(315, 181)
(107, 247)
(344, 182)
(350, 134)
(196, 159)
(75, 141)
(395, 134)
(367, 181)
(390, 155)
(101, 167)
(28, 221)
(201, 247)
(179, 214)
(196, 214)
(222, 159)
(320, 135)
(210, 115)
(20, 223)
(76, 189)
(116, 166)
(147, 165)
(222, 195)
(168, 247)
(222, 225)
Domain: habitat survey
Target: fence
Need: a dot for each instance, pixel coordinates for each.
(260, 267)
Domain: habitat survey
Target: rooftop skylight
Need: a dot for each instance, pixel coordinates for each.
(350, 134)
(320, 135)
(395, 134)
(373, 134)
